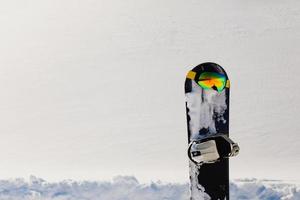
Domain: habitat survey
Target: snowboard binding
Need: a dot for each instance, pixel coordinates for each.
(212, 149)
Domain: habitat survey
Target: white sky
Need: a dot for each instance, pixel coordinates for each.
(92, 89)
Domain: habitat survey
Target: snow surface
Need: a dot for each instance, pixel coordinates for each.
(129, 188)
(203, 109)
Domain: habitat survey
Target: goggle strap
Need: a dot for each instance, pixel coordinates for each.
(191, 75)
(227, 84)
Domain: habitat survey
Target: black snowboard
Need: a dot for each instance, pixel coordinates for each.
(207, 111)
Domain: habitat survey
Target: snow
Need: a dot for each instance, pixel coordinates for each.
(201, 110)
(129, 188)
(196, 190)
(264, 189)
(125, 188)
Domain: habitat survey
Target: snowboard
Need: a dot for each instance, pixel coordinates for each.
(207, 110)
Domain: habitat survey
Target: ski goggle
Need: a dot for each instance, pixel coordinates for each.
(210, 80)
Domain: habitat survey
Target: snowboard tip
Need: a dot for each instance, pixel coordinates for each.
(210, 67)
(209, 75)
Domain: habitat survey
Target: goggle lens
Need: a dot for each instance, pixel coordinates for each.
(212, 80)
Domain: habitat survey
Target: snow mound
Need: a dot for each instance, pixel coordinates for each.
(129, 188)
(253, 189)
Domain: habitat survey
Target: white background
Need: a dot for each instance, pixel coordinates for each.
(92, 89)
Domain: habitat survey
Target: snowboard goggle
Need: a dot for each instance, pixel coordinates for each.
(210, 80)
